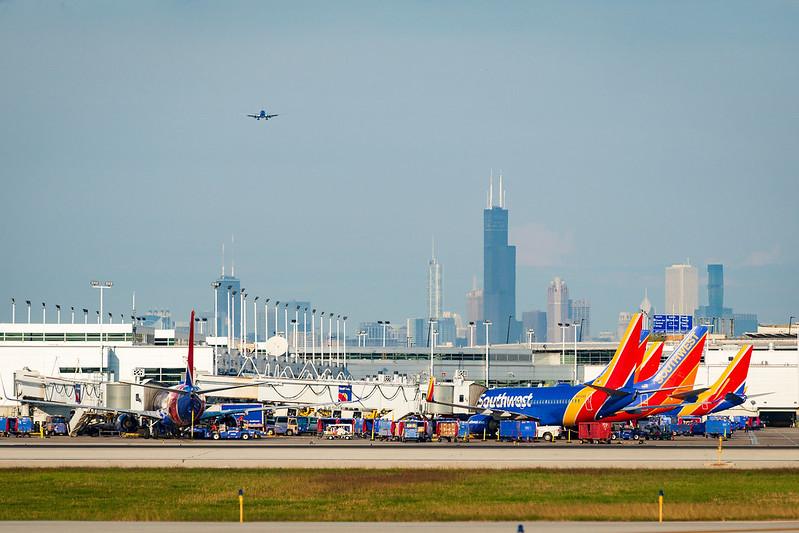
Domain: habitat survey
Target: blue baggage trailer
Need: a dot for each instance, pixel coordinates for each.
(516, 430)
(715, 427)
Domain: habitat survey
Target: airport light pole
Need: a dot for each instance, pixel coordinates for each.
(98, 317)
(385, 324)
(576, 326)
(72, 312)
(294, 334)
(101, 285)
(58, 313)
(487, 324)
(322, 338)
(432, 323)
(563, 326)
(305, 335)
(28, 303)
(255, 322)
(232, 328)
(44, 313)
(345, 341)
(266, 319)
(338, 341)
(13, 311)
(277, 325)
(216, 286)
(110, 318)
(313, 336)
(286, 327)
(242, 319)
(530, 334)
(330, 337)
(472, 327)
(227, 319)
(85, 316)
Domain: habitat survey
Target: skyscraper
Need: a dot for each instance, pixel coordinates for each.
(434, 296)
(537, 321)
(474, 303)
(715, 289)
(557, 308)
(499, 270)
(581, 314)
(682, 290)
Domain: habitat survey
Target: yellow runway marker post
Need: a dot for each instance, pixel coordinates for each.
(241, 506)
(660, 506)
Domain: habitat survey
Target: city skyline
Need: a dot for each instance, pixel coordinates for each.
(146, 162)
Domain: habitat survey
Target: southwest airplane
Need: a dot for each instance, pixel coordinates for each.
(671, 384)
(179, 406)
(726, 392)
(651, 362)
(567, 405)
(262, 115)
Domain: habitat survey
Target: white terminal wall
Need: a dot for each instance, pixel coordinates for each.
(46, 358)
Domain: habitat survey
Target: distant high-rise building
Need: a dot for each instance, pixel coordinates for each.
(557, 308)
(715, 289)
(624, 321)
(647, 310)
(682, 290)
(537, 321)
(581, 314)
(434, 295)
(474, 303)
(228, 305)
(499, 270)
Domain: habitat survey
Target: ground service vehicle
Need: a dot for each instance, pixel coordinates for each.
(413, 430)
(516, 430)
(55, 425)
(8, 425)
(235, 434)
(717, 427)
(594, 432)
(548, 433)
(625, 432)
(338, 431)
(384, 429)
(447, 430)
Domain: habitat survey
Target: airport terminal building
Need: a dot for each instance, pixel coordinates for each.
(55, 356)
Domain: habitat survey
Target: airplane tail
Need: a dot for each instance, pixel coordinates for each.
(621, 368)
(190, 359)
(680, 368)
(732, 383)
(430, 389)
(651, 362)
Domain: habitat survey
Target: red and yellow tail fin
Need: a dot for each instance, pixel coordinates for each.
(651, 362)
(733, 377)
(190, 359)
(430, 389)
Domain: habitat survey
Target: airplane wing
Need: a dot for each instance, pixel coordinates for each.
(270, 116)
(642, 408)
(689, 394)
(44, 403)
(608, 390)
(253, 116)
(200, 391)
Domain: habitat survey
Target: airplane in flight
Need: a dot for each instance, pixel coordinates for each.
(179, 407)
(567, 405)
(262, 115)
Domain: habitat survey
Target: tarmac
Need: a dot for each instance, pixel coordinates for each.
(302, 452)
(403, 527)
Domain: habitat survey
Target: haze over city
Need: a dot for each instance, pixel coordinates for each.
(630, 137)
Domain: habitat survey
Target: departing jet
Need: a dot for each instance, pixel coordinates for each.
(262, 115)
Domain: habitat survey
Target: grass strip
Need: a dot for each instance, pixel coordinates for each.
(396, 495)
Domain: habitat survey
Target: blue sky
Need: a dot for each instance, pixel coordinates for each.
(632, 135)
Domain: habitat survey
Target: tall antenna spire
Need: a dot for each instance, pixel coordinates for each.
(223, 259)
(491, 190)
(433, 256)
(501, 191)
(232, 259)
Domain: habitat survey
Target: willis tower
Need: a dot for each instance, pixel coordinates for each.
(499, 272)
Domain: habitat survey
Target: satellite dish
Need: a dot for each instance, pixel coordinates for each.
(276, 346)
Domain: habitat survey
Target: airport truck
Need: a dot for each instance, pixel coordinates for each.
(594, 432)
(548, 433)
(55, 425)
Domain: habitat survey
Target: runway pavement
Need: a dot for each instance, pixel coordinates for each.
(403, 527)
(311, 453)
